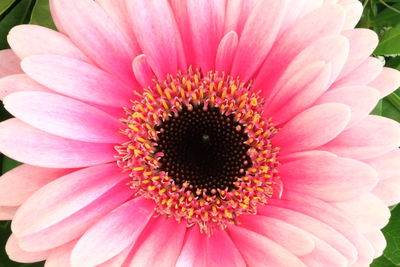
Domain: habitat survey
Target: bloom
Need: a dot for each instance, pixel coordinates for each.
(197, 133)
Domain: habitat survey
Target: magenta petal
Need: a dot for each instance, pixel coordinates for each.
(29, 145)
(64, 117)
(193, 252)
(226, 51)
(112, 233)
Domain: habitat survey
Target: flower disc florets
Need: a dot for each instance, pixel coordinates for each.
(200, 148)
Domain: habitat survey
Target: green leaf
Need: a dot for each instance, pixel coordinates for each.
(378, 109)
(17, 15)
(41, 14)
(387, 17)
(5, 4)
(8, 164)
(392, 234)
(382, 262)
(389, 110)
(390, 43)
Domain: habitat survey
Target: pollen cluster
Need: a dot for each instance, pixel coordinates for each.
(200, 148)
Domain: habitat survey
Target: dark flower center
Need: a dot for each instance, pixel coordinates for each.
(204, 148)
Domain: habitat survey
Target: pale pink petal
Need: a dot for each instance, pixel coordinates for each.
(237, 13)
(362, 43)
(29, 40)
(378, 241)
(386, 165)
(253, 47)
(75, 225)
(60, 257)
(93, 31)
(367, 211)
(32, 146)
(143, 72)
(116, 9)
(16, 253)
(119, 259)
(258, 250)
(206, 19)
(7, 213)
(387, 81)
(288, 236)
(388, 190)
(65, 196)
(327, 214)
(222, 251)
(157, 34)
(365, 139)
(324, 255)
(159, 244)
(312, 128)
(193, 252)
(293, 14)
(19, 82)
(304, 98)
(226, 52)
(21, 182)
(9, 63)
(112, 233)
(64, 117)
(351, 96)
(315, 227)
(353, 9)
(328, 177)
(77, 79)
(362, 75)
(324, 21)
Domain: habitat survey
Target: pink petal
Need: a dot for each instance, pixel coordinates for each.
(388, 190)
(77, 79)
(387, 81)
(301, 133)
(28, 40)
(9, 63)
(362, 43)
(157, 34)
(18, 82)
(367, 211)
(221, 251)
(237, 13)
(65, 196)
(226, 52)
(362, 75)
(206, 20)
(288, 236)
(93, 31)
(386, 165)
(253, 47)
(16, 253)
(119, 259)
(378, 241)
(64, 117)
(7, 213)
(193, 252)
(258, 250)
(351, 96)
(328, 177)
(353, 9)
(75, 225)
(315, 227)
(143, 72)
(29, 145)
(324, 255)
(364, 140)
(160, 243)
(60, 257)
(21, 182)
(329, 215)
(305, 97)
(324, 21)
(112, 233)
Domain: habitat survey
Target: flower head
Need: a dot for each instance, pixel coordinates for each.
(197, 133)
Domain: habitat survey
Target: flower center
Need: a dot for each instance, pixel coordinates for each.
(200, 148)
(204, 148)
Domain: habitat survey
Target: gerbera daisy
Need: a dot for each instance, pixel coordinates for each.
(197, 133)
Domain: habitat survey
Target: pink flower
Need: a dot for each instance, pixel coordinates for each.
(250, 144)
